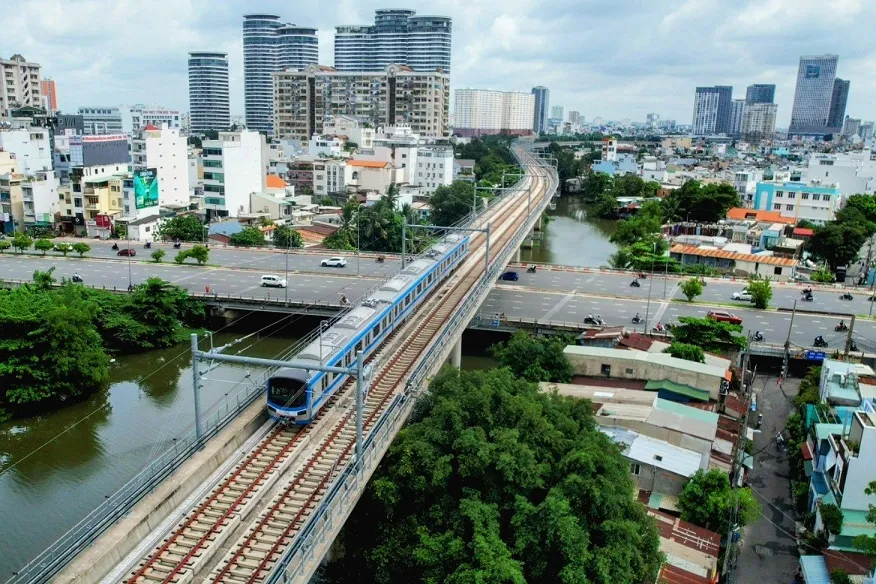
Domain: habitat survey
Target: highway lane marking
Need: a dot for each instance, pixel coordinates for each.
(559, 305)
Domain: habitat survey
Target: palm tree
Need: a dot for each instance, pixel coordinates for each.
(391, 196)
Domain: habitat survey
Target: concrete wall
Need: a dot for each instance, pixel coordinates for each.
(674, 437)
(657, 480)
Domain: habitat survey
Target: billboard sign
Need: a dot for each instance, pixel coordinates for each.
(103, 221)
(146, 188)
(813, 71)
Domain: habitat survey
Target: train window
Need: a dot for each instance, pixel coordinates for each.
(290, 393)
(376, 329)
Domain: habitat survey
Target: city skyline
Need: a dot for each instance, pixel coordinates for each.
(511, 47)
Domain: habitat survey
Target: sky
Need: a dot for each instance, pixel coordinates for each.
(614, 59)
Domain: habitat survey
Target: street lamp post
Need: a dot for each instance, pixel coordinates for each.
(128, 237)
(286, 287)
(650, 284)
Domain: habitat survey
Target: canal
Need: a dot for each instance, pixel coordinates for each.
(573, 237)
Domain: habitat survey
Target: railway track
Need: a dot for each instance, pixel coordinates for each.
(193, 544)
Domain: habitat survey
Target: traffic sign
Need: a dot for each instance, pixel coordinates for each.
(816, 355)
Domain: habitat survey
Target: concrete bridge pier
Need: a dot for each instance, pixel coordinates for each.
(456, 354)
(516, 258)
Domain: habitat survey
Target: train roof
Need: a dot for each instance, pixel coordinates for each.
(290, 373)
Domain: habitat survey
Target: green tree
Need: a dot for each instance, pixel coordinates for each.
(691, 288)
(597, 184)
(44, 280)
(622, 259)
(838, 243)
(867, 543)
(809, 390)
(285, 237)
(496, 482)
(4, 245)
(832, 518)
(685, 351)
(182, 256)
(707, 498)
(761, 291)
(535, 358)
(158, 255)
(450, 204)
(200, 253)
(248, 237)
(43, 245)
(21, 242)
(182, 228)
(839, 576)
(710, 335)
(81, 248)
(697, 202)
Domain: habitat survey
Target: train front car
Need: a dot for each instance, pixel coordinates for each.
(287, 394)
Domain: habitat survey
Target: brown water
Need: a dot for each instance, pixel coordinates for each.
(573, 237)
(56, 468)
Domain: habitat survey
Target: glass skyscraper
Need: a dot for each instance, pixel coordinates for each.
(268, 46)
(815, 90)
(542, 101)
(760, 93)
(208, 92)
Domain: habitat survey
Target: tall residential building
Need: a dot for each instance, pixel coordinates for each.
(574, 118)
(234, 167)
(737, 109)
(397, 37)
(851, 127)
(101, 120)
(712, 110)
(812, 98)
(270, 46)
(137, 117)
(50, 94)
(759, 121)
(31, 147)
(304, 100)
(482, 112)
(557, 112)
(542, 101)
(838, 99)
(21, 83)
(760, 93)
(166, 152)
(209, 104)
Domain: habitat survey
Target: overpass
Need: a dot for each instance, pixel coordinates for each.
(289, 537)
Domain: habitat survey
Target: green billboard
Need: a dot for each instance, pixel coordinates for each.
(146, 188)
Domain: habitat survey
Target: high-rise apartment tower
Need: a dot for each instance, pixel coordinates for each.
(208, 92)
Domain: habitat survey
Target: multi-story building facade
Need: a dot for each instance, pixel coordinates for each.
(839, 97)
(760, 93)
(166, 152)
(434, 167)
(209, 104)
(759, 121)
(137, 117)
(50, 94)
(542, 97)
(39, 196)
(712, 110)
(745, 183)
(574, 118)
(234, 167)
(557, 112)
(851, 126)
(737, 110)
(854, 172)
(101, 120)
(305, 100)
(21, 84)
(270, 46)
(481, 112)
(397, 37)
(357, 131)
(812, 98)
(31, 147)
(813, 201)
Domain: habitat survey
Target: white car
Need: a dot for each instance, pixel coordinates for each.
(335, 262)
(273, 281)
(744, 295)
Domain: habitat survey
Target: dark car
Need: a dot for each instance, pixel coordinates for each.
(510, 276)
(127, 252)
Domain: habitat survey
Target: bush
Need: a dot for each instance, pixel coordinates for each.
(832, 518)
(158, 255)
(43, 245)
(21, 242)
(4, 245)
(249, 236)
(691, 288)
(81, 248)
(761, 292)
(686, 351)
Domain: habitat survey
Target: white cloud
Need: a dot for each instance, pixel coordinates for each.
(614, 59)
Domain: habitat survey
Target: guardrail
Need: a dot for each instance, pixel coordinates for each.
(297, 562)
(494, 321)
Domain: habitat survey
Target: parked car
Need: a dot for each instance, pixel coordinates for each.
(510, 276)
(336, 262)
(744, 295)
(274, 281)
(722, 316)
(127, 252)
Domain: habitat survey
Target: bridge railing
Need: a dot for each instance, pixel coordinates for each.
(298, 562)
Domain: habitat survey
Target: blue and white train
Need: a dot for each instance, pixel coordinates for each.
(295, 396)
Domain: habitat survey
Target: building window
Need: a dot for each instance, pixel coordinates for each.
(777, 207)
(777, 271)
(789, 207)
(826, 198)
(805, 196)
(635, 469)
(780, 194)
(606, 370)
(816, 197)
(792, 195)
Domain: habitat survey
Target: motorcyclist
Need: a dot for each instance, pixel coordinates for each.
(344, 300)
(758, 336)
(77, 277)
(589, 318)
(659, 327)
(637, 318)
(842, 325)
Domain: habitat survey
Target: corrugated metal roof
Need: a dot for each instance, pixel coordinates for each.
(729, 255)
(678, 388)
(663, 455)
(814, 570)
(662, 359)
(695, 413)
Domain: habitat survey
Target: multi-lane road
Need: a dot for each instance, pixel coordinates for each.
(546, 295)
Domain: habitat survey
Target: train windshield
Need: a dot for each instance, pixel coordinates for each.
(288, 393)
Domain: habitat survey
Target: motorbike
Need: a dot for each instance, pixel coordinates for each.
(846, 296)
(806, 292)
(148, 245)
(77, 278)
(841, 327)
(658, 329)
(530, 270)
(807, 298)
(635, 284)
(853, 346)
(177, 245)
(638, 320)
(759, 338)
(595, 320)
(819, 341)
(379, 259)
(643, 276)
(115, 247)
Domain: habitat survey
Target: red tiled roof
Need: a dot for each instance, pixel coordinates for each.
(851, 563)
(275, 182)
(740, 213)
(151, 128)
(807, 452)
(672, 575)
(367, 163)
(726, 435)
(728, 423)
(734, 403)
(690, 536)
(803, 232)
(730, 255)
(637, 341)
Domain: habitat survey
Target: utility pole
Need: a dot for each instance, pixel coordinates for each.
(849, 336)
(787, 356)
(196, 382)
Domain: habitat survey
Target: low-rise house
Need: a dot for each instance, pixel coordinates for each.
(766, 264)
(691, 552)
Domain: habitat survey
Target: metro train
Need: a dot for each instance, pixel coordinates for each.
(295, 396)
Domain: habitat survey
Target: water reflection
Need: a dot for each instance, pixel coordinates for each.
(573, 237)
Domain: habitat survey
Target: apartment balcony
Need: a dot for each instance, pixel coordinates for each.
(92, 207)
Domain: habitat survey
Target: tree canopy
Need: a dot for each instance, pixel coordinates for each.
(493, 482)
(686, 352)
(248, 236)
(450, 204)
(535, 358)
(183, 228)
(761, 291)
(839, 242)
(286, 237)
(707, 498)
(708, 334)
(702, 203)
(691, 288)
